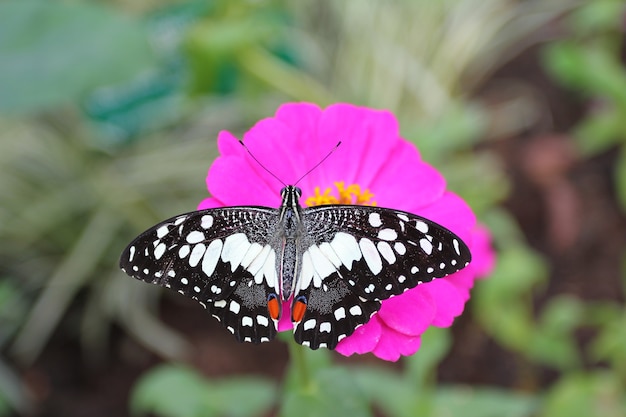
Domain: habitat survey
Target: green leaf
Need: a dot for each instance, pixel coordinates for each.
(333, 392)
(53, 52)
(553, 341)
(459, 128)
(597, 16)
(390, 391)
(601, 130)
(610, 344)
(177, 391)
(172, 391)
(433, 348)
(503, 302)
(593, 69)
(243, 397)
(584, 395)
(472, 402)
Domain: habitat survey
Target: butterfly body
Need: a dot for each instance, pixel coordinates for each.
(336, 263)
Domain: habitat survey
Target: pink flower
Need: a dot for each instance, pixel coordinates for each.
(374, 165)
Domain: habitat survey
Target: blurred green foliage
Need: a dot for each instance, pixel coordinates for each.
(109, 121)
(589, 62)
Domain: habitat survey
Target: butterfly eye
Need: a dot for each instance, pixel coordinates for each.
(298, 192)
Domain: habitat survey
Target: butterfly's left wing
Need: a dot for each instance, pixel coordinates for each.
(360, 256)
(221, 258)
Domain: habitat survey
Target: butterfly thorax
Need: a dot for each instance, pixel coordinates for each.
(290, 231)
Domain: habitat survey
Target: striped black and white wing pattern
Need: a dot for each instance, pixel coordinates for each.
(361, 256)
(221, 258)
(336, 264)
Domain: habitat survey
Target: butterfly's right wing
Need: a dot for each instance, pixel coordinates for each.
(220, 257)
(357, 256)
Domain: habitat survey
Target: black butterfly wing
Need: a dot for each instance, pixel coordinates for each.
(220, 257)
(360, 256)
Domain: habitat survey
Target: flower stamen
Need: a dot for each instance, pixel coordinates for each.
(352, 194)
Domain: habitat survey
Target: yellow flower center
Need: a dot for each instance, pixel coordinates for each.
(352, 194)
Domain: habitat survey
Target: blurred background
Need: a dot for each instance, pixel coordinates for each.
(109, 112)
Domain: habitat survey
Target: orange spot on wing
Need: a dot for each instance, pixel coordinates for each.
(273, 307)
(297, 311)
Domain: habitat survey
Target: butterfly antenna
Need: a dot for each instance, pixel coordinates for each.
(260, 164)
(319, 163)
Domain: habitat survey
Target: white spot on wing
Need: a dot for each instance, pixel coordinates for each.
(325, 327)
(374, 219)
(355, 311)
(426, 246)
(254, 250)
(196, 254)
(400, 248)
(386, 251)
(211, 257)
(257, 263)
(246, 321)
(403, 217)
(421, 226)
(195, 237)
(306, 272)
(322, 265)
(159, 250)
(235, 248)
(234, 306)
(387, 234)
(346, 248)
(371, 255)
(455, 243)
(184, 251)
(330, 254)
(309, 324)
(131, 253)
(162, 231)
(206, 222)
(340, 313)
(269, 269)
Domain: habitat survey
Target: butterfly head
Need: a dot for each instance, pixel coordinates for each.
(291, 196)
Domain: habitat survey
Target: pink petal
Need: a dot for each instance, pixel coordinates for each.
(407, 183)
(209, 203)
(363, 340)
(410, 313)
(276, 145)
(451, 212)
(463, 280)
(302, 119)
(367, 139)
(233, 179)
(449, 302)
(392, 345)
(483, 256)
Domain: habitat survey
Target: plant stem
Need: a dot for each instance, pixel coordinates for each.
(300, 364)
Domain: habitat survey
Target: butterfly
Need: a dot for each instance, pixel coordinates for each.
(334, 263)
